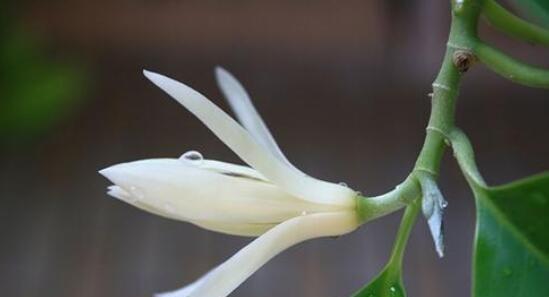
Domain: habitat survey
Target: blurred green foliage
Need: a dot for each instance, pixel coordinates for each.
(36, 91)
(539, 9)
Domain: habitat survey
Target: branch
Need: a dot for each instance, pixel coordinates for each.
(370, 208)
(510, 68)
(504, 20)
(463, 152)
(406, 225)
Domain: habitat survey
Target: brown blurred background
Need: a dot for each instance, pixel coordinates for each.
(343, 86)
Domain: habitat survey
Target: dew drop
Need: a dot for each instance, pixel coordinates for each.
(393, 289)
(443, 203)
(343, 184)
(135, 194)
(192, 157)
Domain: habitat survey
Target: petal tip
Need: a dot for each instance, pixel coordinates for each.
(117, 174)
(121, 194)
(224, 78)
(106, 172)
(111, 173)
(220, 71)
(152, 76)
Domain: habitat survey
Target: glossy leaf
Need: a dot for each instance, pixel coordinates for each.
(512, 239)
(387, 284)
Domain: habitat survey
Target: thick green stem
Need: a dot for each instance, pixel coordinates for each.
(463, 34)
(502, 19)
(442, 116)
(463, 37)
(375, 207)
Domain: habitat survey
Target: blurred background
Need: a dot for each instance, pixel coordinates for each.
(342, 84)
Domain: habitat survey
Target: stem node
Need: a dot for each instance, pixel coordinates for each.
(463, 60)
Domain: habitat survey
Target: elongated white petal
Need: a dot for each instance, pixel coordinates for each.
(123, 195)
(247, 115)
(176, 189)
(245, 146)
(221, 281)
(239, 229)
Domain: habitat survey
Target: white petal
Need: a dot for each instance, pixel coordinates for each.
(123, 195)
(221, 281)
(239, 229)
(242, 105)
(176, 189)
(240, 141)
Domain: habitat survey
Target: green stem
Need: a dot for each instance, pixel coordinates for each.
(463, 37)
(463, 151)
(510, 68)
(502, 19)
(406, 225)
(463, 34)
(375, 207)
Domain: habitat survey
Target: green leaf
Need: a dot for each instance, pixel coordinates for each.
(539, 9)
(386, 284)
(512, 239)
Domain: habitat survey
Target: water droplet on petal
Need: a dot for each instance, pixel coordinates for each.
(135, 194)
(343, 184)
(192, 157)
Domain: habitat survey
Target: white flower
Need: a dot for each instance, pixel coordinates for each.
(272, 199)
